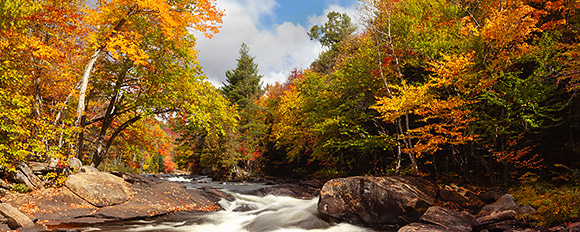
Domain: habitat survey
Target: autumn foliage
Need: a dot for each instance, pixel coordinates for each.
(125, 64)
(473, 90)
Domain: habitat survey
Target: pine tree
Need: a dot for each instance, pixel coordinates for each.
(244, 82)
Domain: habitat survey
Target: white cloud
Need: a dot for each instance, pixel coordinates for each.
(350, 11)
(277, 50)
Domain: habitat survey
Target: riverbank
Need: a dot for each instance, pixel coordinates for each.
(404, 204)
(91, 196)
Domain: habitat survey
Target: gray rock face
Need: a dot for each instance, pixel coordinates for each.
(15, 218)
(99, 189)
(377, 201)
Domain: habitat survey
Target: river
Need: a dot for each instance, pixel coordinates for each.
(249, 211)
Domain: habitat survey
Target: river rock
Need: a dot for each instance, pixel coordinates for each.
(499, 215)
(99, 188)
(496, 217)
(15, 218)
(39, 168)
(88, 169)
(461, 196)
(575, 227)
(507, 225)
(421, 227)
(377, 201)
(449, 219)
(505, 202)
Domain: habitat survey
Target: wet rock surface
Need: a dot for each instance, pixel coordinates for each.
(377, 201)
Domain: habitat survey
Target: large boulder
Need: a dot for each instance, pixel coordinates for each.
(500, 215)
(504, 203)
(377, 201)
(15, 218)
(99, 189)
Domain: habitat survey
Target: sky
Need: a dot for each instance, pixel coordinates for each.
(276, 32)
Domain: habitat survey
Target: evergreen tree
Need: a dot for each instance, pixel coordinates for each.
(243, 87)
(244, 82)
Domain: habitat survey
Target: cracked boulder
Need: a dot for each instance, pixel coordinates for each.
(377, 201)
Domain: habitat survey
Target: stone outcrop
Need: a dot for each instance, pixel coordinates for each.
(14, 218)
(136, 197)
(99, 189)
(377, 201)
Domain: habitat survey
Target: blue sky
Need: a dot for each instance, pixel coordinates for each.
(275, 31)
(298, 11)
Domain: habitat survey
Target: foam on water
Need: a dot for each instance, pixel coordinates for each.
(246, 213)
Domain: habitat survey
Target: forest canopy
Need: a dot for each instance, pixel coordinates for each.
(477, 90)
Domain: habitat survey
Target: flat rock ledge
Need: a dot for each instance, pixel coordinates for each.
(96, 197)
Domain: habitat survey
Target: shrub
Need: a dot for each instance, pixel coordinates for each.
(555, 204)
(20, 188)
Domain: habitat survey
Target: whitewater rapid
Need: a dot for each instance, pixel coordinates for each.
(246, 213)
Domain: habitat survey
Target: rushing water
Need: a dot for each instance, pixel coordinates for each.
(248, 212)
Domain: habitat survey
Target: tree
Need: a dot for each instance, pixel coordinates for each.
(40, 52)
(243, 83)
(207, 140)
(336, 29)
(149, 66)
(243, 87)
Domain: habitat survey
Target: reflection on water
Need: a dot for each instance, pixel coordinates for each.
(246, 213)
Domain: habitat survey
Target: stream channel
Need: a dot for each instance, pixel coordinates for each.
(248, 212)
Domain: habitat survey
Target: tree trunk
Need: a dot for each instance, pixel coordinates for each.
(81, 139)
(408, 145)
(100, 155)
(85, 84)
(398, 169)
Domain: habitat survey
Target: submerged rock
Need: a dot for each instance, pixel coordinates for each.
(377, 201)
